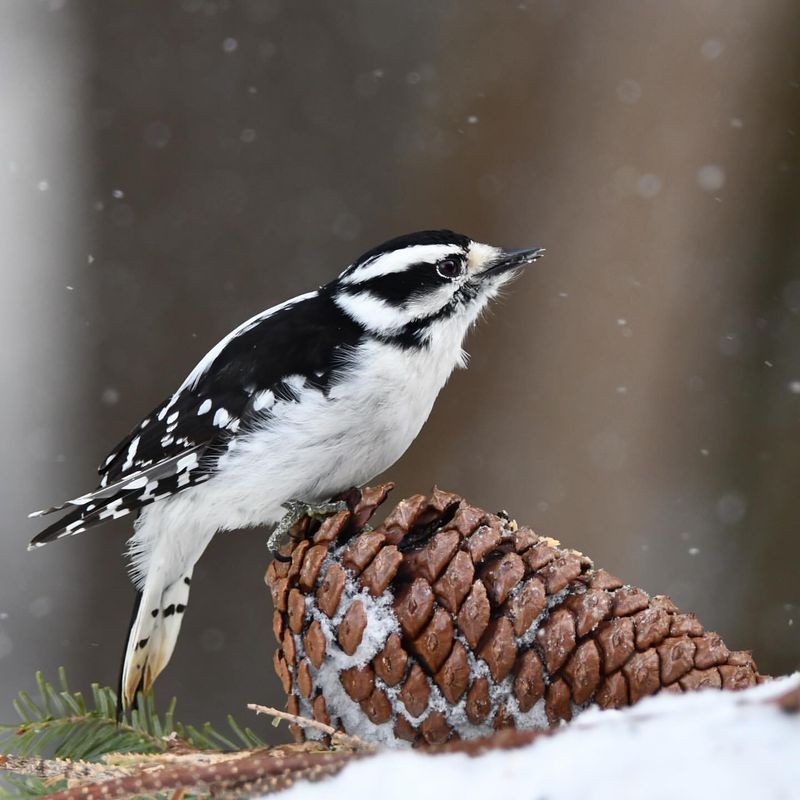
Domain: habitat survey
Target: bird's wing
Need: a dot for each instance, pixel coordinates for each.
(179, 443)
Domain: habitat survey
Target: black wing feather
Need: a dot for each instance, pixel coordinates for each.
(178, 444)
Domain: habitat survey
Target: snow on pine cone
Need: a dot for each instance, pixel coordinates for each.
(446, 621)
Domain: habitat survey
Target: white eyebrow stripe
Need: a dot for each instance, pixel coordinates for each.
(398, 260)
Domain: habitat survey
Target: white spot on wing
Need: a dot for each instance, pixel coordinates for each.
(188, 462)
(132, 448)
(204, 408)
(263, 400)
(221, 418)
(149, 489)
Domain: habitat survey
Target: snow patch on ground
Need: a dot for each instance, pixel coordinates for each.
(698, 745)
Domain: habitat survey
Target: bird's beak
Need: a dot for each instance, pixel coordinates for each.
(512, 259)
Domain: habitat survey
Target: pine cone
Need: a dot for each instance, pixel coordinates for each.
(448, 622)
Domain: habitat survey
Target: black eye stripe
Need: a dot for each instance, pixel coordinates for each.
(396, 287)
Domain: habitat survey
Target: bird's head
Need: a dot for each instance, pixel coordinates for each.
(402, 288)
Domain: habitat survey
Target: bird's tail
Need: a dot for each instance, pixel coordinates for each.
(154, 629)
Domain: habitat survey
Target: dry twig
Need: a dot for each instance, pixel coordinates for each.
(337, 737)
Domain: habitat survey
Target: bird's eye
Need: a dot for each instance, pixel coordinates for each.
(449, 268)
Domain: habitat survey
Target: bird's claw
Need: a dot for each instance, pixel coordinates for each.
(295, 511)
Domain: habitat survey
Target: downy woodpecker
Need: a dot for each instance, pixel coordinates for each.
(300, 402)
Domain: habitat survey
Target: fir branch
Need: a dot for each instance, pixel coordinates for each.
(60, 724)
(61, 736)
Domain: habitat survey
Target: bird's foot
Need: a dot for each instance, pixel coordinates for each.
(297, 510)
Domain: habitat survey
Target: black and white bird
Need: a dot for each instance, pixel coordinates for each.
(300, 402)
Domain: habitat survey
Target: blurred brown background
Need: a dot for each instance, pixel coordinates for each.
(169, 169)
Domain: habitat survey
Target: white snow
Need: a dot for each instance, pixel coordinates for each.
(110, 396)
(731, 508)
(711, 177)
(711, 49)
(629, 92)
(648, 185)
(381, 622)
(698, 745)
